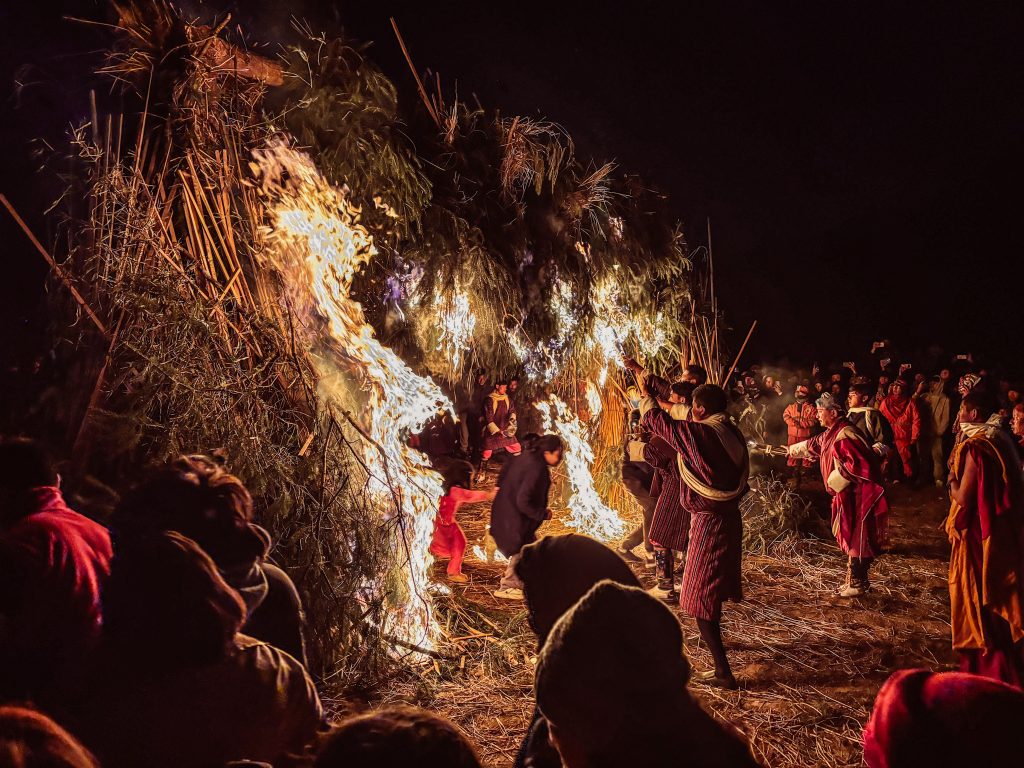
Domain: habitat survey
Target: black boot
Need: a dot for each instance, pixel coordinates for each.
(664, 560)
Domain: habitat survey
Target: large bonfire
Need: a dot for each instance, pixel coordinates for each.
(275, 271)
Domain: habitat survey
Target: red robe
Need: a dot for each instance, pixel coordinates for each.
(905, 418)
(860, 510)
(713, 466)
(52, 566)
(449, 538)
(800, 419)
(986, 563)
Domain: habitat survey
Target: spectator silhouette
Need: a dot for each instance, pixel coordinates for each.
(196, 496)
(396, 737)
(175, 684)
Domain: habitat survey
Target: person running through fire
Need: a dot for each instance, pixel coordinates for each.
(853, 477)
(521, 505)
(449, 539)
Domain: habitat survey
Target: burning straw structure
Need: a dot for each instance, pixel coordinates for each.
(295, 308)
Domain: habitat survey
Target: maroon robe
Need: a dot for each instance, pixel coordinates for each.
(499, 412)
(713, 482)
(670, 526)
(859, 511)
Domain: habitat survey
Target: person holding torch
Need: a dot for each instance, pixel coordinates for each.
(853, 477)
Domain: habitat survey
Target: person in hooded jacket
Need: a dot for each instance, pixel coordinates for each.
(556, 572)
(612, 686)
(175, 684)
(196, 496)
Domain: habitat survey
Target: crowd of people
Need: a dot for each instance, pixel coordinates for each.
(170, 638)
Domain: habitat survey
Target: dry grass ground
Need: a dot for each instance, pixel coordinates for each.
(809, 663)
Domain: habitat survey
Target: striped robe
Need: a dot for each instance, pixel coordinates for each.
(670, 526)
(713, 464)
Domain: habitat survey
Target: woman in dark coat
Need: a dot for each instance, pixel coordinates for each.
(521, 505)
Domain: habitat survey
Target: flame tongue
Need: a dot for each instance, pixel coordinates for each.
(589, 514)
(318, 245)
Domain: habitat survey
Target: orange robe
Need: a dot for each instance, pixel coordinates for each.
(986, 561)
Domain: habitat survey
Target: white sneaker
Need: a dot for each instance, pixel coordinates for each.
(511, 593)
(849, 590)
(658, 592)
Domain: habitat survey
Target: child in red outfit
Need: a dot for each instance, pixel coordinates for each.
(449, 538)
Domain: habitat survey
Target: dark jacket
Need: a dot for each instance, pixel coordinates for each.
(522, 501)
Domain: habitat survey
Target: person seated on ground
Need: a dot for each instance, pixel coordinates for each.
(53, 562)
(521, 505)
(396, 737)
(175, 684)
(556, 572)
(449, 539)
(615, 698)
(943, 720)
(196, 496)
(30, 739)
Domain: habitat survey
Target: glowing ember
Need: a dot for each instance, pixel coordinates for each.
(318, 245)
(455, 323)
(588, 513)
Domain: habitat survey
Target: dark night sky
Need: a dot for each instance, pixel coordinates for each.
(861, 162)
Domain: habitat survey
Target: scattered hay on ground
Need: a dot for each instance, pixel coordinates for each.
(810, 664)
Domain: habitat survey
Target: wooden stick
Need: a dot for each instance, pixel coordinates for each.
(725, 381)
(419, 82)
(56, 269)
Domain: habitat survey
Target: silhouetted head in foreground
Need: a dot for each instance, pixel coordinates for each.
(396, 737)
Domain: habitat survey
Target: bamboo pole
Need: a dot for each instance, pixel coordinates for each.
(54, 266)
(419, 82)
(734, 362)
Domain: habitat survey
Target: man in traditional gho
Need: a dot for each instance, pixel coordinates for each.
(902, 412)
(499, 424)
(868, 419)
(714, 465)
(801, 417)
(986, 562)
(853, 477)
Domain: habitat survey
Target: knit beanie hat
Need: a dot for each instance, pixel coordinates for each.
(610, 662)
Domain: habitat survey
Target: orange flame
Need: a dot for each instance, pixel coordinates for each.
(588, 513)
(318, 245)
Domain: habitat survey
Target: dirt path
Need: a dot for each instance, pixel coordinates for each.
(809, 663)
